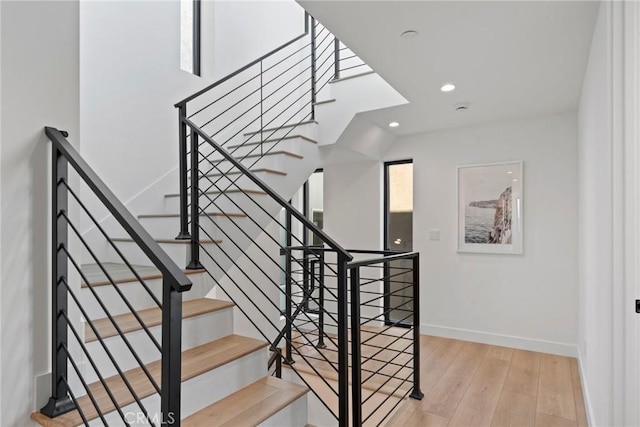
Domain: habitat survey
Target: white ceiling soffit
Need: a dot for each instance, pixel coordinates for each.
(508, 59)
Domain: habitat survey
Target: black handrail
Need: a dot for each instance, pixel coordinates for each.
(179, 281)
(272, 193)
(372, 261)
(356, 341)
(174, 283)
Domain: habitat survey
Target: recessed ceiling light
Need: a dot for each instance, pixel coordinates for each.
(447, 87)
(510, 172)
(409, 34)
(394, 124)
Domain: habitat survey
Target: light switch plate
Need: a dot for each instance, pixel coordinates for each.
(434, 234)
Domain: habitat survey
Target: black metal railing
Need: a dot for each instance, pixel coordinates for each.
(251, 241)
(249, 109)
(384, 355)
(242, 257)
(71, 390)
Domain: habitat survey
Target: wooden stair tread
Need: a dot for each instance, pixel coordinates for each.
(274, 139)
(151, 317)
(177, 215)
(195, 361)
(171, 241)
(377, 405)
(325, 101)
(125, 275)
(257, 170)
(292, 125)
(271, 153)
(235, 190)
(372, 382)
(352, 76)
(248, 406)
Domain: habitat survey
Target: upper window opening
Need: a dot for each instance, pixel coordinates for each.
(190, 36)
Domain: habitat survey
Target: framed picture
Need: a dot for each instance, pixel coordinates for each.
(490, 208)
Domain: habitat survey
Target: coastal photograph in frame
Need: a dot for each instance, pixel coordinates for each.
(490, 208)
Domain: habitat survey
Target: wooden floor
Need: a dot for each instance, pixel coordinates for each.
(469, 384)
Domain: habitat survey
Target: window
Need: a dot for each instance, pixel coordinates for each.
(313, 194)
(190, 36)
(313, 205)
(398, 236)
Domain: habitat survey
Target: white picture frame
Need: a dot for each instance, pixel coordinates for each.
(490, 208)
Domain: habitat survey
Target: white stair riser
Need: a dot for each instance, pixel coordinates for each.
(291, 144)
(203, 390)
(196, 331)
(161, 227)
(232, 202)
(273, 161)
(238, 180)
(308, 130)
(292, 415)
(317, 412)
(135, 293)
(179, 252)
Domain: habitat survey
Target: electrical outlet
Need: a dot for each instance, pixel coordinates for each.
(434, 234)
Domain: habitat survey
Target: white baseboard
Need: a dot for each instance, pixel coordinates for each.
(585, 392)
(541, 346)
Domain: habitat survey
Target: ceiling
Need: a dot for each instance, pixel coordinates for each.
(508, 59)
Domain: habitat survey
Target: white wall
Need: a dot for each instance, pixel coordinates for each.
(527, 300)
(235, 33)
(609, 330)
(595, 225)
(39, 87)
(130, 78)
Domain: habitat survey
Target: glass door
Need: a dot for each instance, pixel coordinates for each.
(398, 236)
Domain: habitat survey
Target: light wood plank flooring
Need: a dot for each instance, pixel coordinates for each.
(470, 384)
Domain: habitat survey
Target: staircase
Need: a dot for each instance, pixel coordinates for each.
(230, 339)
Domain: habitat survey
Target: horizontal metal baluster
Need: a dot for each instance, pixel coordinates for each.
(224, 96)
(75, 402)
(256, 91)
(282, 86)
(265, 112)
(402, 381)
(266, 125)
(386, 294)
(227, 110)
(212, 203)
(93, 365)
(250, 318)
(352, 67)
(390, 362)
(390, 276)
(387, 312)
(348, 57)
(115, 324)
(111, 281)
(269, 123)
(243, 292)
(115, 247)
(287, 57)
(389, 396)
(408, 330)
(86, 387)
(240, 70)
